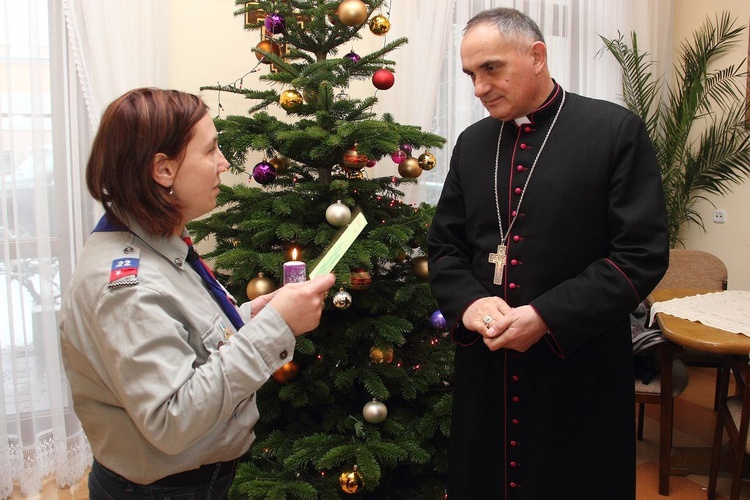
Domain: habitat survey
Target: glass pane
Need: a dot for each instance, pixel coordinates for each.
(25, 329)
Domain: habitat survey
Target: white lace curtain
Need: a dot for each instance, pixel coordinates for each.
(61, 62)
(434, 93)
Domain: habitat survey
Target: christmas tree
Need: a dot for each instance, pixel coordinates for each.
(364, 407)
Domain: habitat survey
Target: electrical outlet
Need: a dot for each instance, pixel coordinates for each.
(720, 216)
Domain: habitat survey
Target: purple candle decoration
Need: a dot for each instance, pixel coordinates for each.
(294, 270)
(275, 24)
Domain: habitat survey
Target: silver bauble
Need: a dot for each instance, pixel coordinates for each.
(338, 214)
(342, 299)
(375, 412)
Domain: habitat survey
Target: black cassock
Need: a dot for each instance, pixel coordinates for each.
(589, 243)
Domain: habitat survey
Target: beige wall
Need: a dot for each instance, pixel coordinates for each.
(209, 45)
(729, 241)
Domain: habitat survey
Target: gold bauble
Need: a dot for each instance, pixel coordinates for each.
(359, 279)
(354, 174)
(421, 268)
(286, 373)
(260, 285)
(351, 481)
(290, 100)
(280, 164)
(409, 168)
(379, 356)
(427, 161)
(379, 25)
(352, 12)
(267, 46)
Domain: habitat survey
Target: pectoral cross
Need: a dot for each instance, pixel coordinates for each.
(499, 260)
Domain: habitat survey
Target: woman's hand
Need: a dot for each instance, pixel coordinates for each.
(300, 304)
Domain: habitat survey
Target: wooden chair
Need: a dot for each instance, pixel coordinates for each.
(701, 271)
(734, 416)
(673, 374)
(694, 269)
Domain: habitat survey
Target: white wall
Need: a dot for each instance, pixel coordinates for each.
(729, 241)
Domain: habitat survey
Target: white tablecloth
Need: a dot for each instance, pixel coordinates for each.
(728, 310)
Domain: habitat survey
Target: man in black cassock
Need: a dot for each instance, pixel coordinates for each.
(550, 229)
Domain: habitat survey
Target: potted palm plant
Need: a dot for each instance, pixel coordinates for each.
(696, 122)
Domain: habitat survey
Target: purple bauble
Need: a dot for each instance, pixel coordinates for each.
(438, 320)
(406, 148)
(275, 24)
(264, 173)
(399, 156)
(352, 56)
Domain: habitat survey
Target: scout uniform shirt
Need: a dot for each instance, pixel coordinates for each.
(161, 381)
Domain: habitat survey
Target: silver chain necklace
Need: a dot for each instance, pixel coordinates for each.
(499, 258)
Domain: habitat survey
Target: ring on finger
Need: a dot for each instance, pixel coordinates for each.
(487, 320)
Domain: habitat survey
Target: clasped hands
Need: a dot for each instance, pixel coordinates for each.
(502, 326)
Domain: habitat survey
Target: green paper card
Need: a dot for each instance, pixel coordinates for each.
(339, 248)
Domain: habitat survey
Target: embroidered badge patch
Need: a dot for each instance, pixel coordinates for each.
(124, 272)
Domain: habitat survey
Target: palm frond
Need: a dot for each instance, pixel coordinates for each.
(696, 124)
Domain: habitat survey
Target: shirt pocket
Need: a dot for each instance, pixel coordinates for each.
(217, 334)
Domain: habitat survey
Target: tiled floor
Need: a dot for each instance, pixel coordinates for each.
(693, 434)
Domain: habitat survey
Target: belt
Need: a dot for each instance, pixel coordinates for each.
(202, 475)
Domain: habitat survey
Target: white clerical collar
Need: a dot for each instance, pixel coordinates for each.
(522, 121)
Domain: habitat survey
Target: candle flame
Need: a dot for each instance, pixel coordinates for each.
(294, 254)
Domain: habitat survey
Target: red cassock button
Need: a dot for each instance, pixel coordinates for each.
(513, 262)
(515, 421)
(513, 464)
(513, 443)
(527, 129)
(515, 378)
(513, 485)
(524, 146)
(512, 286)
(516, 238)
(516, 399)
(518, 190)
(519, 168)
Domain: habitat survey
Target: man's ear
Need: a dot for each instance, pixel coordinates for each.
(163, 171)
(539, 53)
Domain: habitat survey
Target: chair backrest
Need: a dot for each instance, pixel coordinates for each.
(694, 269)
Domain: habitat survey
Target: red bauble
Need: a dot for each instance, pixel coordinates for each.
(383, 79)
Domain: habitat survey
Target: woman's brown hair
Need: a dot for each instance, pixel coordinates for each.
(134, 128)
